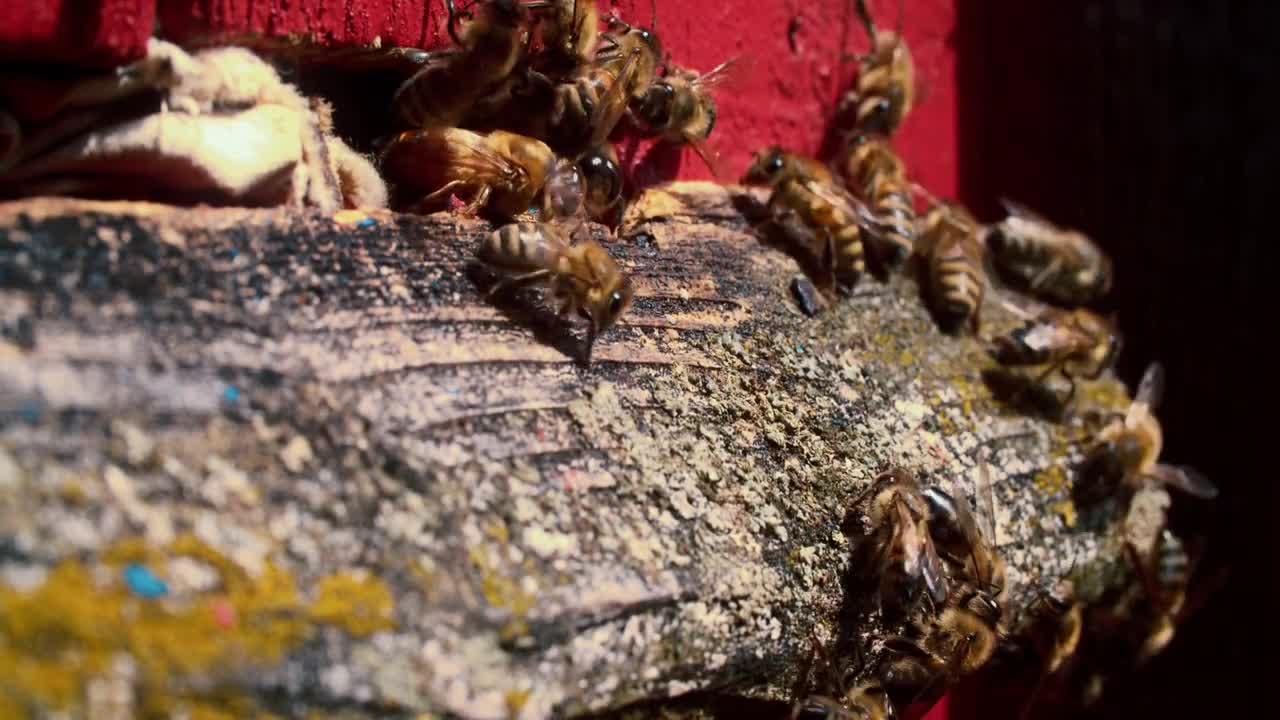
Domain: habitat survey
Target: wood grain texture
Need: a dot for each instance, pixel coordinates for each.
(407, 498)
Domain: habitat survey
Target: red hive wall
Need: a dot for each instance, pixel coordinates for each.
(784, 96)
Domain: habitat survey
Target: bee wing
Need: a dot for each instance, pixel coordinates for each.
(709, 155)
(1151, 387)
(1188, 480)
(847, 203)
(729, 72)
(614, 102)
(1022, 212)
(984, 498)
(480, 159)
(935, 577)
(463, 152)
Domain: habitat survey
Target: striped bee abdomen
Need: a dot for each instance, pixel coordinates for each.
(520, 246)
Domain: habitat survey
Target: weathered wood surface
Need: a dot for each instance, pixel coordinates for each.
(369, 489)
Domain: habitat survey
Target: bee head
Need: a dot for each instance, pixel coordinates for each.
(656, 103)
(650, 39)
(616, 302)
(1096, 280)
(767, 167)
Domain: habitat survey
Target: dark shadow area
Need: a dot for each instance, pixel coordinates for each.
(786, 238)
(527, 307)
(1143, 124)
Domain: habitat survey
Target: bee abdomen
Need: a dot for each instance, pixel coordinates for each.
(1015, 246)
(959, 286)
(436, 96)
(849, 257)
(897, 223)
(518, 246)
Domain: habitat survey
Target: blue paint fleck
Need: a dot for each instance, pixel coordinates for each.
(143, 582)
(30, 411)
(367, 222)
(231, 394)
(799, 348)
(233, 253)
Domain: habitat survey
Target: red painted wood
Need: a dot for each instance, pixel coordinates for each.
(86, 33)
(406, 23)
(785, 97)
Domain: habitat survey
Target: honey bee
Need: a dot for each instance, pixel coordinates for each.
(679, 107)
(885, 88)
(866, 701)
(1077, 343)
(773, 162)
(1062, 265)
(1054, 628)
(585, 108)
(1049, 635)
(962, 635)
(966, 538)
(499, 170)
(603, 177)
(445, 89)
(958, 641)
(570, 30)
(878, 177)
(583, 277)
(838, 220)
(957, 280)
(1165, 576)
(903, 556)
(1127, 453)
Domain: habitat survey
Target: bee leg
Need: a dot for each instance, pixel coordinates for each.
(480, 200)
(440, 193)
(513, 281)
(1021, 393)
(1071, 391)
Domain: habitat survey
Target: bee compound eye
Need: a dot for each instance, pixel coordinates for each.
(615, 303)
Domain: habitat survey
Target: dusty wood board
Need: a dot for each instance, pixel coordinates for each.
(368, 488)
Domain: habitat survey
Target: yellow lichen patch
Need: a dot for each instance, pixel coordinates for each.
(516, 700)
(130, 550)
(503, 592)
(1051, 480)
(1066, 510)
(58, 637)
(359, 603)
(188, 545)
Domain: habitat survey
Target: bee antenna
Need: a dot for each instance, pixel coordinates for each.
(898, 23)
(653, 17)
(865, 16)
